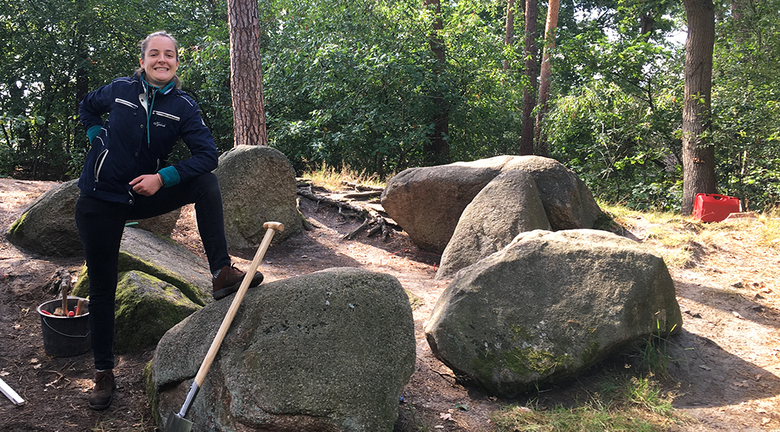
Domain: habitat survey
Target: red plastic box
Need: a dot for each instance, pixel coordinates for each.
(714, 207)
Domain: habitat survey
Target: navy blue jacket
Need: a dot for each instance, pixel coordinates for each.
(131, 143)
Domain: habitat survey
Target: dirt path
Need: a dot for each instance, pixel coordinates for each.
(726, 372)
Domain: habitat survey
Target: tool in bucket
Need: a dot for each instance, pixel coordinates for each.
(65, 323)
(176, 421)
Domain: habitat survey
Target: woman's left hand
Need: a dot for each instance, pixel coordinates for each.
(147, 184)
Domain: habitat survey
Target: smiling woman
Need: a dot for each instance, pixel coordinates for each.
(126, 176)
(159, 58)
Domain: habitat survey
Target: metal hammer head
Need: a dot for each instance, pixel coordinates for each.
(177, 423)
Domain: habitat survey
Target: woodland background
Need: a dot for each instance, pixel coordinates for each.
(382, 85)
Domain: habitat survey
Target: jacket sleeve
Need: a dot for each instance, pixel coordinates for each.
(92, 108)
(197, 136)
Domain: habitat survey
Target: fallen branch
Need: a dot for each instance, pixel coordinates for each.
(363, 188)
(360, 195)
(371, 218)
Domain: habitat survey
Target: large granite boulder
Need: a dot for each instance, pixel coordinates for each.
(258, 185)
(548, 306)
(327, 351)
(163, 259)
(160, 284)
(146, 308)
(567, 200)
(428, 202)
(48, 226)
(507, 206)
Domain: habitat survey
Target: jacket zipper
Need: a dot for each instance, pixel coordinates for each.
(99, 164)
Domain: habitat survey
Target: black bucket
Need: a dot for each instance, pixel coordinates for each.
(65, 336)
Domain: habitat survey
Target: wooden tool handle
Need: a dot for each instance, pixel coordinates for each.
(80, 307)
(271, 228)
(65, 298)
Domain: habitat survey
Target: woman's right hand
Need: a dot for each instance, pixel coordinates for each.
(147, 184)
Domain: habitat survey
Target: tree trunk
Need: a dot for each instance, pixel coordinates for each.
(246, 74)
(531, 68)
(509, 30)
(697, 149)
(546, 75)
(437, 150)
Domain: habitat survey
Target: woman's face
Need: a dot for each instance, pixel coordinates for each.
(160, 61)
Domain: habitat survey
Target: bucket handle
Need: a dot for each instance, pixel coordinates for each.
(63, 334)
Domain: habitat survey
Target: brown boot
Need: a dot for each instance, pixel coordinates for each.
(103, 392)
(229, 281)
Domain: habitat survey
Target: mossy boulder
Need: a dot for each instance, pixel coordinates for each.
(327, 351)
(48, 225)
(163, 259)
(549, 306)
(258, 185)
(146, 308)
(427, 202)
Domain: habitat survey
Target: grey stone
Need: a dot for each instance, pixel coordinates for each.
(548, 306)
(163, 259)
(146, 308)
(48, 226)
(428, 202)
(507, 206)
(567, 200)
(327, 351)
(258, 185)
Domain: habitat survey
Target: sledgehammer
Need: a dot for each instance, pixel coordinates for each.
(176, 421)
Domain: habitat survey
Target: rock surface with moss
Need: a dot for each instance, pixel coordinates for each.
(549, 306)
(427, 202)
(327, 351)
(147, 307)
(160, 284)
(258, 185)
(162, 258)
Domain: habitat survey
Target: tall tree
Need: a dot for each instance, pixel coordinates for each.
(546, 74)
(697, 150)
(509, 30)
(531, 70)
(246, 73)
(437, 149)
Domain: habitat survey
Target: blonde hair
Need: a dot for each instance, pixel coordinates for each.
(145, 43)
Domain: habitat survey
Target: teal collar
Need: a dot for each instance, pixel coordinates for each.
(152, 89)
(151, 92)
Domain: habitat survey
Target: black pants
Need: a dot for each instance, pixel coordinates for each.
(101, 223)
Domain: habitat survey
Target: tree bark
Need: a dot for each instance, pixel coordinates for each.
(437, 149)
(509, 30)
(546, 75)
(246, 74)
(697, 149)
(531, 70)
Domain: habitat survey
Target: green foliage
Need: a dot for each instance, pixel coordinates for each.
(623, 403)
(358, 92)
(618, 146)
(355, 84)
(54, 51)
(746, 104)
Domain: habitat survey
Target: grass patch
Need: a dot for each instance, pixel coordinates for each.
(332, 179)
(629, 404)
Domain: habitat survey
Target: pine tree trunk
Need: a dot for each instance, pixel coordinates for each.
(697, 149)
(509, 30)
(531, 70)
(437, 150)
(546, 75)
(246, 74)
